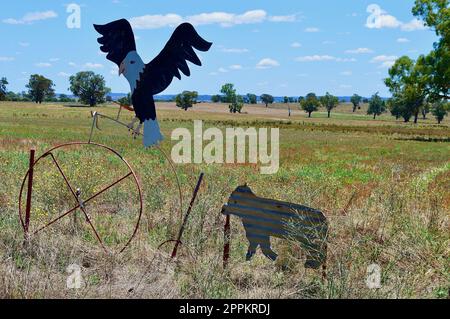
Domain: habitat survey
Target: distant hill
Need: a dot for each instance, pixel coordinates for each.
(203, 97)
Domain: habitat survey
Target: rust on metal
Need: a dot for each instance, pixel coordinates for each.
(186, 217)
(25, 224)
(29, 192)
(226, 241)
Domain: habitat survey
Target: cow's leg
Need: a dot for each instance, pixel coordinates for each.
(267, 251)
(251, 249)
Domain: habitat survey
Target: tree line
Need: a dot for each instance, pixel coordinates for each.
(89, 88)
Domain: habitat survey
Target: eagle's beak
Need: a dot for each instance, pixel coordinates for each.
(121, 68)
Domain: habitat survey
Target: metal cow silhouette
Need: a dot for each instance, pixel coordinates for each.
(263, 218)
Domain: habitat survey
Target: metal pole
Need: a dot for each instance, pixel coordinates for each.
(29, 192)
(186, 217)
(226, 245)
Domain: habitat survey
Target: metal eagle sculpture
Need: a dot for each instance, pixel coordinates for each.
(147, 80)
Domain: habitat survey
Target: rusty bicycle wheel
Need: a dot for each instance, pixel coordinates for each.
(90, 182)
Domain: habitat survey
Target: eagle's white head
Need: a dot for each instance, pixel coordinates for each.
(131, 67)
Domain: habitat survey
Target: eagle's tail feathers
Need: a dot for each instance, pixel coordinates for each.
(152, 133)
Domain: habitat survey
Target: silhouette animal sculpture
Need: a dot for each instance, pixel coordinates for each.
(263, 218)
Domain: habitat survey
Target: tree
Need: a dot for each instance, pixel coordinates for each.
(425, 110)
(251, 98)
(310, 103)
(356, 101)
(407, 83)
(237, 104)
(376, 106)
(186, 99)
(109, 99)
(436, 15)
(229, 93)
(3, 90)
(267, 99)
(394, 107)
(329, 102)
(235, 101)
(286, 100)
(63, 98)
(440, 110)
(365, 100)
(215, 98)
(126, 100)
(40, 88)
(89, 87)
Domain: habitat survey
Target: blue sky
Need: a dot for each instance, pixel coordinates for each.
(285, 47)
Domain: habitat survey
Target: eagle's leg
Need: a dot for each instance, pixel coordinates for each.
(137, 131)
(131, 125)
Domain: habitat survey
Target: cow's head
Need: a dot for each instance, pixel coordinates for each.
(244, 189)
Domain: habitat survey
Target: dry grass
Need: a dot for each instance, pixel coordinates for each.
(398, 217)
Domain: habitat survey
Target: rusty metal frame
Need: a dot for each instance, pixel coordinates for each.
(80, 205)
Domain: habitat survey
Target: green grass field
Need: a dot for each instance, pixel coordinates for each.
(383, 185)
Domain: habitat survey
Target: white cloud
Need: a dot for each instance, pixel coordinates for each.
(72, 64)
(296, 45)
(315, 58)
(402, 40)
(347, 73)
(223, 19)
(345, 86)
(54, 59)
(312, 29)
(156, 21)
(24, 44)
(63, 74)
(320, 58)
(6, 59)
(43, 65)
(234, 50)
(223, 70)
(385, 61)
(228, 19)
(287, 18)
(90, 65)
(31, 17)
(413, 25)
(359, 51)
(236, 67)
(379, 19)
(267, 63)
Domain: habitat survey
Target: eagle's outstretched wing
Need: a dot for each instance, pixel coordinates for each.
(159, 73)
(117, 40)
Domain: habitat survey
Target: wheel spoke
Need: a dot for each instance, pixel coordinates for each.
(88, 219)
(57, 218)
(64, 176)
(107, 187)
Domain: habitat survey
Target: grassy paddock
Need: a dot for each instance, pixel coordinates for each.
(397, 175)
